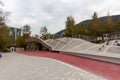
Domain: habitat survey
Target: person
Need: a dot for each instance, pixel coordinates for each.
(99, 48)
(12, 49)
(102, 46)
(108, 42)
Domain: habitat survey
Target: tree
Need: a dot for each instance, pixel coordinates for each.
(108, 25)
(43, 30)
(47, 36)
(81, 30)
(94, 26)
(70, 30)
(117, 26)
(4, 31)
(4, 38)
(21, 41)
(44, 33)
(26, 29)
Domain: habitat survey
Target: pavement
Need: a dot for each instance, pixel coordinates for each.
(107, 70)
(14, 66)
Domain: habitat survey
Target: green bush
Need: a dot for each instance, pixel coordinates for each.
(6, 50)
(98, 41)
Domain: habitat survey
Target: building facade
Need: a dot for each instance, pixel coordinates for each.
(14, 33)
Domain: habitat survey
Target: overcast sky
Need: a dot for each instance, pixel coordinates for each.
(53, 13)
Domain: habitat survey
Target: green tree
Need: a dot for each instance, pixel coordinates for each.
(117, 26)
(21, 41)
(94, 26)
(70, 30)
(4, 38)
(43, 31)
(108, 25)
(26, 29)
(4, 31)
(47, 36)
(81, 30)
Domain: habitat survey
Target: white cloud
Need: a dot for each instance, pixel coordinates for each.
(53, 13)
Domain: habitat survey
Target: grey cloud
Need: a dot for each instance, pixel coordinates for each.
(53, 13)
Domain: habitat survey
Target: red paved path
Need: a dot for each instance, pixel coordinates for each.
(107, 70)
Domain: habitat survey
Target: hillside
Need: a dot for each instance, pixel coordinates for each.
(86, 22)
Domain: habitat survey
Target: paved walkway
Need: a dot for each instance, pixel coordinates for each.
(21, 67)
(108, 70)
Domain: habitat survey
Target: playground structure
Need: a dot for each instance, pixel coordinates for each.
(79, 47)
